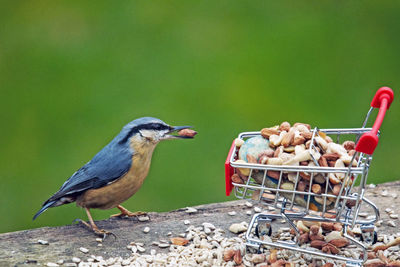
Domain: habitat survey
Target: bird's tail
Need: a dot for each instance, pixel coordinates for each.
(44, 208)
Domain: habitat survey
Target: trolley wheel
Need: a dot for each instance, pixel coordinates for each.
(263, 227)
(253, 250)
(369, 237)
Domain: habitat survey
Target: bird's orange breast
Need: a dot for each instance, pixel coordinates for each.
(111, 195)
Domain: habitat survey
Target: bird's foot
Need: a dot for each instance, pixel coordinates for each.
(127, 213)
(99, 232)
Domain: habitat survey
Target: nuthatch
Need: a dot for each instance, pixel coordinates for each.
(116, 172)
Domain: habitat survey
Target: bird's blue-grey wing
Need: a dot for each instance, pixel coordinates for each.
(107, 166)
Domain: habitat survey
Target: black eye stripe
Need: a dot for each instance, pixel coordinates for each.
(149, 126)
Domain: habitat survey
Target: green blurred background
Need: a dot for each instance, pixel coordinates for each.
(72, 73)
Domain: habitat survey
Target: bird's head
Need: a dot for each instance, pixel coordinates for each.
(149, 130)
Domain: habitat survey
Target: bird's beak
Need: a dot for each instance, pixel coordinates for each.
(175, 129)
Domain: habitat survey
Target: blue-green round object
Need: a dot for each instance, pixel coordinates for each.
(253, 146)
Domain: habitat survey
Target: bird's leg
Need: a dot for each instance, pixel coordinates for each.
(100, 232)
(125, 212)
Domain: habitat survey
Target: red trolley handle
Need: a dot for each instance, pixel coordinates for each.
(229, 171)
(382, 100)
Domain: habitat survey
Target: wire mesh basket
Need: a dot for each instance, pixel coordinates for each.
(314, 192)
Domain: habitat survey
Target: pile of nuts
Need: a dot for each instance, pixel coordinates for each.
(290, 145)
(326, 236)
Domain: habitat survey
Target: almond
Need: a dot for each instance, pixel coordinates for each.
(236, 179)
(340, 242)
(378, 247)
(328, 264)
(371, 255)
(318, 244)
(331, 156)
(237, 258)
(323, 162)
(285, 126)
(298, 140)
(288, 138)
(179, 241)
(327, 226)
(273, 256)
(314, 229)
(330, 249)
(303, 238)
(300, 123)
(349, 145)
(267, 132)
(228, 254)
(307, 135)
(187, 133)
(314, 237)
(251, 159)
(374, 263)
(394, 242)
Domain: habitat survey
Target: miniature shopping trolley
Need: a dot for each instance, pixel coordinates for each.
(292, 204)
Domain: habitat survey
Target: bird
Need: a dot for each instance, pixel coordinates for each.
(116, 172)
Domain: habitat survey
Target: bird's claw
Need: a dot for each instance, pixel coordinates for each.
(99, 232)
(103, 233)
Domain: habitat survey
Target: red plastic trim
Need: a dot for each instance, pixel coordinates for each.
(383, 92)
(229, 171)
(382, 100)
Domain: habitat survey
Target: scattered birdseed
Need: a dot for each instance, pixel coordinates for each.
(394, 216)
(163, 245)
(232, 213)
(190, 210)
(384, 193)
(371, 186)
(100, 240)
(169, 233)
(100, 245)
(52, 264)
(141, 249)
(248, 212)
(186, 222)
(70, 264)
(60, 262)
(388, 210)
(83, 250)
(391, 223)
(257, 209)
(43, 242)
(143, 218)
(76, 260)
(209, 225)
(249, 204)
(238, 227)
(146, 229)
